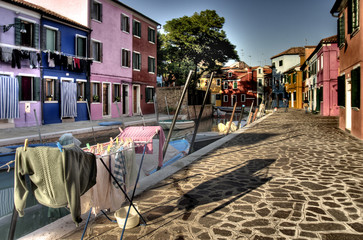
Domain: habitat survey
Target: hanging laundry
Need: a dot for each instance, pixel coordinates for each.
(69, 63)
(64, 61)
(77, 65)
(9, 98)
(25, 54)
(58, 179)
(33, 60)
(6, 54)
(16, 57)
(51, 63)
(57, 59)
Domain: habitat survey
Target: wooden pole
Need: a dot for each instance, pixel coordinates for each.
(165, 147)
(200, 114)
(241, 116)
(230, 121)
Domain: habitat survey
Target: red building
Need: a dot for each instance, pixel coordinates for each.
(143, 63)
(239, 85)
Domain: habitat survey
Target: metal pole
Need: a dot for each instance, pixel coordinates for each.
(14, 219)
(241, 116)
(156, 110)
(200, 114)
(36, 119)
(165, 147)
(90, 119)
(167, 107)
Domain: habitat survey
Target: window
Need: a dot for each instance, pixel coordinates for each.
(151, 64)
(136, 61)
(96, 51)
(51, 39)
(151, 35)
(95, 92)
(149, 94)
(353, 16)
(341, 30)
(259, 70)
(260, 82)
(321, 62)
(281, 63)
(136, 28)
(97, 11)
(81, 46)
(125, 23)
(243, 97)
(355, 88)
(225, 85)
(125, 61)
(235, 85)
(29, 88)
(218, 82)
(51, 91)
(294, 76)
(229, 74)
(26, 33)
(225, 98)
(218, 96)
(116, 92)
(81, 89)
(341, 91)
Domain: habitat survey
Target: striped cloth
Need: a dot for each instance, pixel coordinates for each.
(9, 98)
(69, 99)
(146, 134)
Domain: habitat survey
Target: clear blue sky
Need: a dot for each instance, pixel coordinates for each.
(259, 29)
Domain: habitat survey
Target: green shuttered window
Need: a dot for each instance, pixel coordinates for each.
(356, 88)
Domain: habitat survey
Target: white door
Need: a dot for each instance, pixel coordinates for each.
(348, 105)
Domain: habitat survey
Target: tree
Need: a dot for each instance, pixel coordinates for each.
(197, 42)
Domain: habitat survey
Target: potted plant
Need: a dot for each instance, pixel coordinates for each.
(49, 97)
(80, 98)
(117, 99)
(96, 98)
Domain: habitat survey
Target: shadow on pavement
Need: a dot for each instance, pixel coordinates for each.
(232, 186)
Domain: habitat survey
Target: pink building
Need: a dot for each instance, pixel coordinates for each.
(327, 75)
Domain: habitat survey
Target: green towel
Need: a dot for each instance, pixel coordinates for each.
(58, 179)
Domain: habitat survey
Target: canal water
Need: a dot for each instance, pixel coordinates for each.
(36, 215)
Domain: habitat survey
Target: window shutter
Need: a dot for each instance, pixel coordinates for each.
(56, 89)
(43, 39)
(36, 36)
(93, 15)
(341, 91)
(101, 52)
(356, 88)
(133, 27)
(350, 13)
(100, 12)
(58, 41)
(134, 60)
(36, 89)
(20, 88)
(17, 31)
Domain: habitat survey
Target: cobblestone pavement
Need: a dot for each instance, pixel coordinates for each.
(291, 176)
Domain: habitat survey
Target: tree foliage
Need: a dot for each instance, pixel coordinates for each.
(195, 42)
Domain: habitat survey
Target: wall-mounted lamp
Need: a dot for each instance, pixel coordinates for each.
(7, 28)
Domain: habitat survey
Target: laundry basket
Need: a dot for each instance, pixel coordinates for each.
(133, 219)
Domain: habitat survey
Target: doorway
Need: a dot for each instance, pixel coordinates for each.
(106, 99)
(136, 98)
(125, 99)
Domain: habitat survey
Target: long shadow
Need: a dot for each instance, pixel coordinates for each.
(232, 185)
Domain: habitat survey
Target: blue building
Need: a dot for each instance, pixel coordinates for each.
(65, 70)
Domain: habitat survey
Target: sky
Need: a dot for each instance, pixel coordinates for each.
(259, 29)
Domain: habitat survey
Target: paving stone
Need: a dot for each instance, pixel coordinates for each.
(358, 227)
(282, 214)
(256, 222)
(321, 226)
(222, 232)
(338, 215)
(341, 236)
(288, 232)
(263, 212)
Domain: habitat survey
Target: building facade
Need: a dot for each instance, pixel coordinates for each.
(19, 66)
(350, 42)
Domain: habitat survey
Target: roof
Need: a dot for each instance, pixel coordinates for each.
(291, 51)
(139, 13)
(331, 39)
(292, 68)
(338, 6)
(46, 12)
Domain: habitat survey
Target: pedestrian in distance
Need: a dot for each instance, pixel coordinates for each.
(286, 103)
(306, 105)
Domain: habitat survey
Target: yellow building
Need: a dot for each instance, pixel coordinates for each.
(215, 89)
(293, 86)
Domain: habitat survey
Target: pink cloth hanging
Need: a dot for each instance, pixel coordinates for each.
(146, 134)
